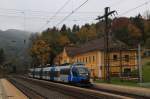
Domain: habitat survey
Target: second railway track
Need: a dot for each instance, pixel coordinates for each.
(71, 91)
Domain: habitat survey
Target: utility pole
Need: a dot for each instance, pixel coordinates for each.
(139, 63)
(106, 42)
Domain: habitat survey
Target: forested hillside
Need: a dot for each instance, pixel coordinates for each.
(14, 44)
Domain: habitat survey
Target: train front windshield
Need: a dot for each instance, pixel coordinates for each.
(83, 71)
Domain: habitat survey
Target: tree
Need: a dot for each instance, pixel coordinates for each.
(63, 40)
(75, 28)
(100, 26)
(134, 32)
(63, 30)
(40, 52)
(87, 33)
(147, 15)
(138, 21)
(82, 34)
(147, 31)
(130, 31)
(92, 32)
(2, 56)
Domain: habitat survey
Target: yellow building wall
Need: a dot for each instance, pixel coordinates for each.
(95, 61)
(121, 62)
(64, 58)
(92, 60)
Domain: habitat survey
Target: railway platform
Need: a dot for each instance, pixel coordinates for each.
(139, 91)
(9, 91)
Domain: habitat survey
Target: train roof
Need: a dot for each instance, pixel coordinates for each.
(46, 68)
(31, 69)
(38, 69)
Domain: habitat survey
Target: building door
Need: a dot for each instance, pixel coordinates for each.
(100, 71)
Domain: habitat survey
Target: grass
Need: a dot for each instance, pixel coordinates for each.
(146, 77)
(118, 81)
(146, 72)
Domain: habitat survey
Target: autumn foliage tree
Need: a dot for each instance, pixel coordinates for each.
(87, 33)
(46, 46)
(40, 52)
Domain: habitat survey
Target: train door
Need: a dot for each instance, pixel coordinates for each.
(64, 74)
(52, 71)
(33, 73)
(75, 75)
(57, 74)
(41, 73)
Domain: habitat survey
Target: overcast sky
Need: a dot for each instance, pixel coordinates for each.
(32, 15)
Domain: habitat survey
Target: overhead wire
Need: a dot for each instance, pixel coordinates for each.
(72, 13)
(132, 9)
(58, 11)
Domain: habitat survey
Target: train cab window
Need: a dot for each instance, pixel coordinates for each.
(75, 72)
(83, 70)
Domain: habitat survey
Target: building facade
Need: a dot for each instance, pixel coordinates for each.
(91, 54)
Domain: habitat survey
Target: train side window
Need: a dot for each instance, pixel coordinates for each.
(56, 73)
(65, 71)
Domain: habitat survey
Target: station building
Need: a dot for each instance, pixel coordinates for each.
(122, 59)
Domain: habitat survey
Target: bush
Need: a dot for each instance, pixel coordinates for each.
(148, 63)
(134, 73)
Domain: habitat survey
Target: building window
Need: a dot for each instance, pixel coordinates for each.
(65, 61)
(83, 59)
(127, 71)
(89, 59)
(93, 58)
(115, 57)
(86, 60)
(80, 60)
(127, 58)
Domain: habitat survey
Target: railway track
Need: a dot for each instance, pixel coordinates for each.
(31, 94)
(72, 91)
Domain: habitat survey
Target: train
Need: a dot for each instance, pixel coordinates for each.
(77, 74)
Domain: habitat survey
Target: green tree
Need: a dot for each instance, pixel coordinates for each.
(2, 56)
(139, 23)
(75, 28)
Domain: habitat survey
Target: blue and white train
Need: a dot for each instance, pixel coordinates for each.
(75, 74)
